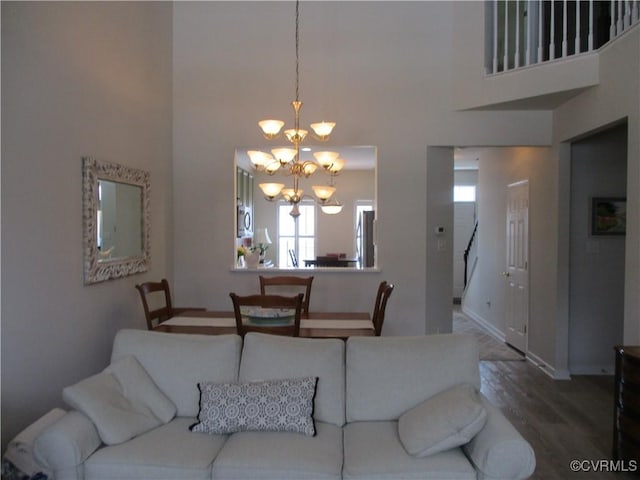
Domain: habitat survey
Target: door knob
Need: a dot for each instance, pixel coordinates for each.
(506, 274)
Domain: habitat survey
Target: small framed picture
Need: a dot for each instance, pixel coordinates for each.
(608, 216)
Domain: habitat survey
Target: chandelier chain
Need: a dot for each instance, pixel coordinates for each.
(297, 48)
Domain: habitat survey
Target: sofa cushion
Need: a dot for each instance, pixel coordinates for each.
(276, 357)
(498, 450)
(446, 420)
(386, 376)
(177, 362)
(122, 401)
(267, 406)
(281, 456)
(372, 451)
(169, 452)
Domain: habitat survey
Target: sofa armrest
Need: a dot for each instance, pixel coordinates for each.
(498, 450)
(66, 444)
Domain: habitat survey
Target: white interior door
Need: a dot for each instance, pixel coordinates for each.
(517, 268)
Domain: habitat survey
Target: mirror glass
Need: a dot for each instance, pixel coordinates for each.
(115, 220)
(119, 220)
(315, 239)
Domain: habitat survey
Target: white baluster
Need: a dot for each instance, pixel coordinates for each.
(552, 35)
(516, 60)
(620, 25)
(540, 56)
(495, 36)
(591, 21)
(565, 49)
(529, 25)
(577, 43)
(627, 14)
(634, 12)
(612, 27)
(506, 37)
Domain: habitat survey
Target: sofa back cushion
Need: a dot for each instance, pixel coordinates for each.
(274, 357)
(386, 376)
(178, 362)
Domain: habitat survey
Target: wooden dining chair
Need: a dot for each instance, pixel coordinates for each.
(384, 292)
(287, 285)
(243, 325)
(158, 293)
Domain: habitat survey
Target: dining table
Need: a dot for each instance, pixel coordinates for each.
(312, 325)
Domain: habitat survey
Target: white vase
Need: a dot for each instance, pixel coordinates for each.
(252, 260)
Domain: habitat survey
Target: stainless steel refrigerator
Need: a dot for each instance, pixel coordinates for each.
(364, 239)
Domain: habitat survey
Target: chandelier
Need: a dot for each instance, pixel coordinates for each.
(288, 159)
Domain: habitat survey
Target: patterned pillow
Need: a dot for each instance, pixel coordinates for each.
(270, 405)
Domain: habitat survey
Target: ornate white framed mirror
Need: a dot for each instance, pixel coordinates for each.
(116, 220)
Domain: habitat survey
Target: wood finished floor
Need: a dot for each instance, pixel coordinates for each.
(562, 419)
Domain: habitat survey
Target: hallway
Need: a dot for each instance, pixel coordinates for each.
(564, 420)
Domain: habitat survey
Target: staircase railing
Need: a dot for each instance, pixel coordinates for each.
(530, 32)
(467, 252)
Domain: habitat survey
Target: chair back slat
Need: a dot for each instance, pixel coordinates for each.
(278, 285)
(156, 302)
(379, 308)
(243, 325)
(159, 315)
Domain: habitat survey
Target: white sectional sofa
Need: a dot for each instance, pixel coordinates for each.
(376, 399)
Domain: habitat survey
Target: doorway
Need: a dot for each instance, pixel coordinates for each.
(596, 257)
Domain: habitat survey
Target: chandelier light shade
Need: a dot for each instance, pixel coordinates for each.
(336, 166)
(271, 128)
(259, 159)
(323, 129)
(326, 159)
(271, 190)
(323, 192)
(308, 168)
(288, 159)
(284, 155)
(332, 208)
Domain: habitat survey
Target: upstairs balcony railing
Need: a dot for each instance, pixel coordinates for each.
(530, 32)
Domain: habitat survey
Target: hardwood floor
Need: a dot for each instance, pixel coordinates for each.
(564, 420)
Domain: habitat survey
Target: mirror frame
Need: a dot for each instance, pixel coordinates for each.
(92, 171)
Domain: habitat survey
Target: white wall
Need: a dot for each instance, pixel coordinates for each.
(382, 71)
(77, 79)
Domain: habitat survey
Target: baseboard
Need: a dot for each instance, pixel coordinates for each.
(491, 329)
(535, 360)
(593, 370)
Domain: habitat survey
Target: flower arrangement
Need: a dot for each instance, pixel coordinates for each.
(241, 251)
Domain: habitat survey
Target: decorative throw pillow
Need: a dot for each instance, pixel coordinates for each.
(122, 401)
(446, 420)
(270, 405)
